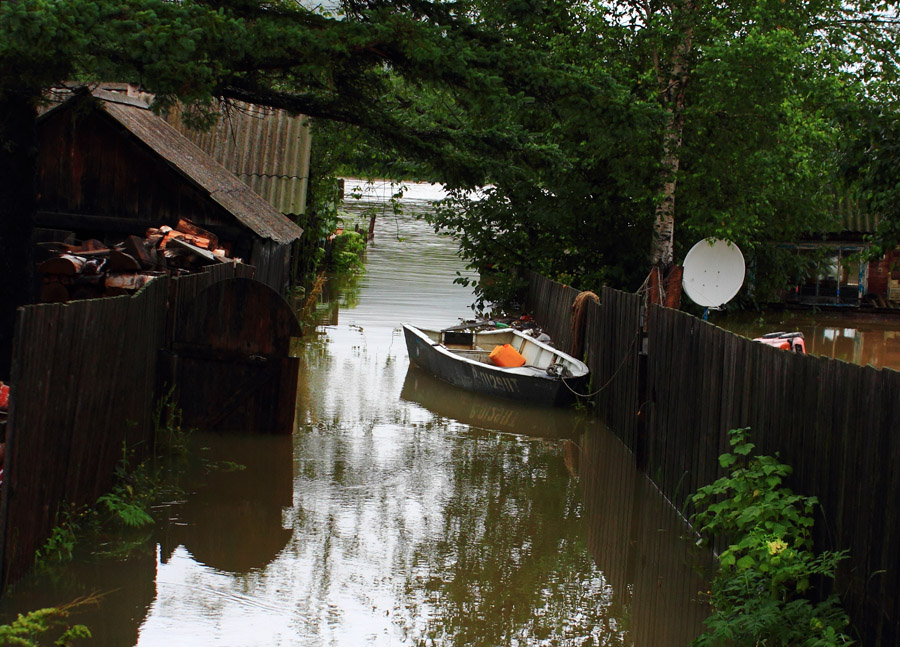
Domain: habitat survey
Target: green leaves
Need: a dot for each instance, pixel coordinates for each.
(727, 460)
(28, 629)
(760, 594)
(122, 503)
(559, 107)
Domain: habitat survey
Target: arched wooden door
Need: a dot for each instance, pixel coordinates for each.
(230, 362)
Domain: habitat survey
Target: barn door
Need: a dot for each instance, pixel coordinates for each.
(229, 359)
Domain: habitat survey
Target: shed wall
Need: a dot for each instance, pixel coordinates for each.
(272, 262)
(90, 165)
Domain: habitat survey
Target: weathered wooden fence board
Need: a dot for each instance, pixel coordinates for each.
(54, 389)
(232, 371)
(186, 288)
(84, 379)
(835, 423)
(555, 311)
(614, 367)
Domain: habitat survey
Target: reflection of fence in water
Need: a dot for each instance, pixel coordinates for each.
(642, 545)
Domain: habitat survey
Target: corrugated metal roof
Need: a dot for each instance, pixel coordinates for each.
(223, 187)
(268, 149)
(865, 223)
(856, 217)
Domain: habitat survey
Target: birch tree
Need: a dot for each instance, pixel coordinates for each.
(752, 102)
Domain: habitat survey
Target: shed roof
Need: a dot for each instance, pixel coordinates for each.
(198, 167)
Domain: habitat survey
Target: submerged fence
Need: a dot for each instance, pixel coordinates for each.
(84, 379)
(673, 388)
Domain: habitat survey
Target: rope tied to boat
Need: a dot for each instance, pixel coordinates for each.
(559, 370)
(625, 358)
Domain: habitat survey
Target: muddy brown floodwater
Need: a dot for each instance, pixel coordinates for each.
(850, 336)
(401, 512)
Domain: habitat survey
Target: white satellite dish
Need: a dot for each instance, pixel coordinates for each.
(713, 272)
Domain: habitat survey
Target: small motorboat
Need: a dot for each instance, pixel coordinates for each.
(503, 362)
(792, 341)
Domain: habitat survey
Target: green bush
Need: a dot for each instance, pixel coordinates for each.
(348, 252)
(61, 543)
(763, 591)
(35, 628)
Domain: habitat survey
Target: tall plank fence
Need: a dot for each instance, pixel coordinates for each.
(83, 385)
(83, 379)
(674, 390)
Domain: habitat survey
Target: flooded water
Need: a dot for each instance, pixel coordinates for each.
(401, 512)
(849, 336)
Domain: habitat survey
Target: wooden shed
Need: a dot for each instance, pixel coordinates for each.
(108, 167)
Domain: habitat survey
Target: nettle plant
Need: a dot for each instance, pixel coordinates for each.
(763, 593)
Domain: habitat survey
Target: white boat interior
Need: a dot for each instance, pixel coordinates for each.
(477, 346)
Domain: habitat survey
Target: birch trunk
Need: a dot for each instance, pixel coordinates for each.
(672, 83)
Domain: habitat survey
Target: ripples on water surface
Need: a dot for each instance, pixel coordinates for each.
(402, 512)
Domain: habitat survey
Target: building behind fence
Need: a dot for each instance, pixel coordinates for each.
(673, 388)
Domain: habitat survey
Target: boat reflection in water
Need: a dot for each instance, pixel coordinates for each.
(487, 412)
(652, 572)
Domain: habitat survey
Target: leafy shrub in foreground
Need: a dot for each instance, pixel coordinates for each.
(763, 592)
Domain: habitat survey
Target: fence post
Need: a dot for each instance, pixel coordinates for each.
(640, 441)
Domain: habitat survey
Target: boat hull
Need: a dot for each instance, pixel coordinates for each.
(537, 388)
(486, 411)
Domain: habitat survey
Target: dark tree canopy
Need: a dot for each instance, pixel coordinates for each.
(730, 120)
(367, 68)
(599, 128)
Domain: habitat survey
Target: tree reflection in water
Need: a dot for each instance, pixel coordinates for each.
(425, 530)
(399, 514)
(455, 536)
(513, 567)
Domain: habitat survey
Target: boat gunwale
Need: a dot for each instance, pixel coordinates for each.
(529, 371)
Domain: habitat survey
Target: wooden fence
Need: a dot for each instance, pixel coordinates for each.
(834, 422)
(82, 386)
(185, 289)
(232, 371)
(84, 382)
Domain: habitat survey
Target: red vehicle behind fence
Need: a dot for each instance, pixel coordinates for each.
(784, 340)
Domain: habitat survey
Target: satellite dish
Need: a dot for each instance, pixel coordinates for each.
(713, 272)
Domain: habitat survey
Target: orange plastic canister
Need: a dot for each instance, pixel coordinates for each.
(506, 356)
